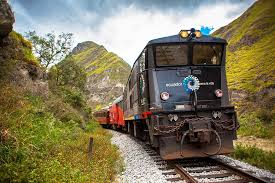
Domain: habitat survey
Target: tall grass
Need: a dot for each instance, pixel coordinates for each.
(38, 144)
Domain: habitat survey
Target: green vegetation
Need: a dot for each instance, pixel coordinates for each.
(37, 146)
(68, 73)
(250, 58)
(252, 125)
(44, 137)
(21, 49)
(98, 62)
(50, 49)
(46, 140)
(255, 156)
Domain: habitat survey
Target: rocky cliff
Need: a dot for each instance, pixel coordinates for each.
(6, 19)
(18, 66)
(107, 73)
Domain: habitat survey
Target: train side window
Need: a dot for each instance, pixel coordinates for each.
(142, 61)
(135, 71)
(207, 54)
(135, 93)
(124, 101)
(130, 84)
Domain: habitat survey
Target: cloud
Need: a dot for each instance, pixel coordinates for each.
(128, 32)
(123, 27)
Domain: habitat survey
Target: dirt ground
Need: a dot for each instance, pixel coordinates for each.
(264, 144)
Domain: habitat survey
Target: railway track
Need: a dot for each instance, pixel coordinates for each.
(197, 170)
(213, 170)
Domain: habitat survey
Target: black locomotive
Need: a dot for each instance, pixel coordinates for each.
(177, 97)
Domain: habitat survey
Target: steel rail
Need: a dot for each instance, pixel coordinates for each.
(240, 172)
(184, 174)
(245, 176)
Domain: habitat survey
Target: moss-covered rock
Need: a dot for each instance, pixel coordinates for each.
(19, 66)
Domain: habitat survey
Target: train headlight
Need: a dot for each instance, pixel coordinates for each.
(198, 33)
(184, 34)
(218, 93)
(164, 96)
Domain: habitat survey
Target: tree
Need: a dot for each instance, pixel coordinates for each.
(68, 73)
(50, 49)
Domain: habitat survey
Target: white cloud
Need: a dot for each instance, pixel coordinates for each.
(128, 31)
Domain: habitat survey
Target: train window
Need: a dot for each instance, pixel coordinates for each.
(124, 100)
(142, 61)
(130, 84)
(135, 93)
(207, 54)
(168, 55)
(134, 73)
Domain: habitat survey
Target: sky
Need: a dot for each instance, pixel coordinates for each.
(123, 26)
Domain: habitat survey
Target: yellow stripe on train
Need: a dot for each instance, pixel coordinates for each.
(130, 118)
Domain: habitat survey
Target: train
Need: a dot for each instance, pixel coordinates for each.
(176, 98)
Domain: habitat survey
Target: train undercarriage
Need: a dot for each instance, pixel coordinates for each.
(188, 134)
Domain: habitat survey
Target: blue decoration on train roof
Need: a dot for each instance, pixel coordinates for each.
(205, 30)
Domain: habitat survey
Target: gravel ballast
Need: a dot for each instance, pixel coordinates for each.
(247, 167)
(139, 166)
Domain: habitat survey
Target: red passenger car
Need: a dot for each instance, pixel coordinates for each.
(116, 113)
(103, 117)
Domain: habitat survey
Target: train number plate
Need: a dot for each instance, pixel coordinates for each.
(183, 107)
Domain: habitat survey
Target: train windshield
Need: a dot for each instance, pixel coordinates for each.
(207, 54)
(171, 55)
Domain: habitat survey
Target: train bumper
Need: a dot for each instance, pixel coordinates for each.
(170, 148)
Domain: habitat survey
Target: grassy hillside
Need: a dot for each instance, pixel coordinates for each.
(251, 48)
(44, 132)
(107, 73)
(251, 67)
(41, 141)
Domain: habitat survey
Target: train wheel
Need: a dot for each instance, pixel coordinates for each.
(128, 127)
(135, 128)
(131, 128)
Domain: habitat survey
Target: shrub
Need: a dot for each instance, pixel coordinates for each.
(23, 48)
(73, 97)
(63, 111)
(255, 156)
(265, 115)
(251, 125)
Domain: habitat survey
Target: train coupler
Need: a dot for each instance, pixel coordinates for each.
(199, 132)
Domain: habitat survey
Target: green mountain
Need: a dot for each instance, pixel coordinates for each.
(107, 73)
(250, 56)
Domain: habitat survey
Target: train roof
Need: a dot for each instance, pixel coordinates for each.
(178, 39)
(103, 109)
(119, 99)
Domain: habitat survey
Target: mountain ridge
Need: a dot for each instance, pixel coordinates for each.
(107, 72)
